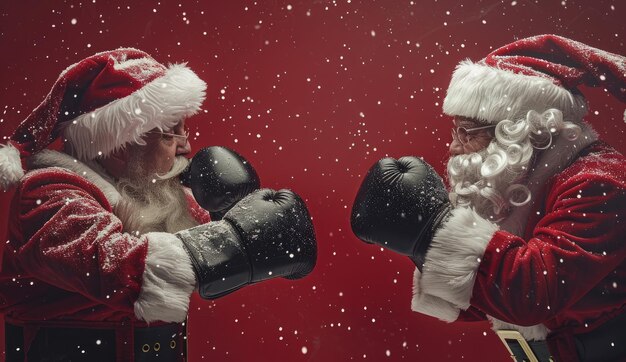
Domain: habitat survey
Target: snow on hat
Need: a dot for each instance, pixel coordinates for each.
(536, 73)
(103, 103)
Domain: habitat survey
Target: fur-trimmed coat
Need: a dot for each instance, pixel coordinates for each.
(67, 257)
(553, 269)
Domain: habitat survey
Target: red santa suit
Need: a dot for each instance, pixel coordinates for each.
(71, 278)
(68, 261)
(555, 268)
(564, 275)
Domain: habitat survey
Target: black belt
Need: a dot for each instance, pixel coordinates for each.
(522, 350)
(56, 344)
(605, 343)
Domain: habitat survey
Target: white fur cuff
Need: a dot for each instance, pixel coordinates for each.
(10, 166)
(168, 280)
(454, 256)
(431, 305)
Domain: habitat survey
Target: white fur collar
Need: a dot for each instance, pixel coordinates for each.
(550, 162)
(92, 172)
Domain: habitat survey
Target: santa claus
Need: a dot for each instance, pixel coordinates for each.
(105, 245)
(530, 233)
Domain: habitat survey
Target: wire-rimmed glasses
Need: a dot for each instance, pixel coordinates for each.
(181, 139)
(463, 134)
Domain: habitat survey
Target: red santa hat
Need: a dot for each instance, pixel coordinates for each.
(536, 73)
(103, 103)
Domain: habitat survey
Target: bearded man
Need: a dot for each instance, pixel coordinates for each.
(105, 245)
(530, 235)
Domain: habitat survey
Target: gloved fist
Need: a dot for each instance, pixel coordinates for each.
(268, 234)
(400, 205)
(219, 178)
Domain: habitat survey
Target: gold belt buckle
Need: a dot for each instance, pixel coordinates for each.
(508, 334)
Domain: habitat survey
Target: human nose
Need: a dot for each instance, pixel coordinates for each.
(183, 149)
(456, 148)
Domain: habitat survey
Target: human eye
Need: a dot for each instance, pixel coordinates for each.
(167, 135)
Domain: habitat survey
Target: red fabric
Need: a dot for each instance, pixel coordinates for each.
(569, 273)
(67, 258)
(197, 212)
(566, 62)
(60, 252)
(471, 314)
(83, 87)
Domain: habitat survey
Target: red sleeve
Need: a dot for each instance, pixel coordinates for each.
(574, 246)
(471, 314)
(197, 212)
(72, 240)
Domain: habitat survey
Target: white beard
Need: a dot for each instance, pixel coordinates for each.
(483, 180)
(493, 181)
(153, 203)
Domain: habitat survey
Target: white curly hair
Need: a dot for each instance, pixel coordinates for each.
(492, 180)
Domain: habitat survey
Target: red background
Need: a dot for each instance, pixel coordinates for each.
(312, 93)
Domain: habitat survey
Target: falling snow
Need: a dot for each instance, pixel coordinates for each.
(312, 93)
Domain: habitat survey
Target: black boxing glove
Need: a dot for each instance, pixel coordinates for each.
(268, 234)
(219, 178)
(400, 206)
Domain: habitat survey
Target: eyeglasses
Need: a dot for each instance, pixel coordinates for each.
(181, 139)
(463, 134)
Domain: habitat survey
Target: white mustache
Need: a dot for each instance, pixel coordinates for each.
(180, 163)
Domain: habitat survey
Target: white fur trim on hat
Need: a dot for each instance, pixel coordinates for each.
(161, 104)
(10, 166)
(431, 305)
(454, 256)
(491, 95)
(168, 280)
